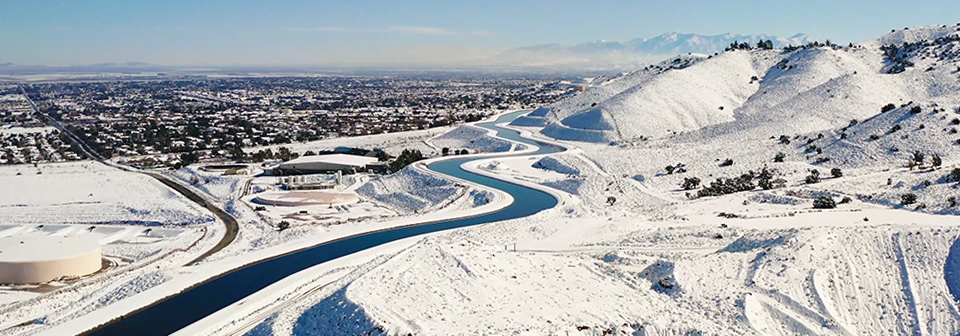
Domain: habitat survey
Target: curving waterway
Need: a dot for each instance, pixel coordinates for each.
(191, 305)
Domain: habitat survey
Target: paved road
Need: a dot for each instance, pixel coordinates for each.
(233, 227)
(228, 220)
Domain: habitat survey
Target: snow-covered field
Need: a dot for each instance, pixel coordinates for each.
(145, 229)
(90, 193)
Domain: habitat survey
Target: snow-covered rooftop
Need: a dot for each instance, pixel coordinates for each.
(340, 159)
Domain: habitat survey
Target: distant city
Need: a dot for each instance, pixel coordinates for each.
(148, 122)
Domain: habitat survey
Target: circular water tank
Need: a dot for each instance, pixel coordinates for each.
(40, 259)
(306, 197)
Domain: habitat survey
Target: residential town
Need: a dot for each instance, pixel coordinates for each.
(155, 121)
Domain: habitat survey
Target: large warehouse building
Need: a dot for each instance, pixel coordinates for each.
(315, 164)
(40, 259)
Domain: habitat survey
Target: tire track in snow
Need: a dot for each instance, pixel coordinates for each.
(825, 305)
(783, 305)
(910, 296)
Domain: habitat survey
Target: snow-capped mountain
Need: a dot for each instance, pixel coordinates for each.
(614, 53)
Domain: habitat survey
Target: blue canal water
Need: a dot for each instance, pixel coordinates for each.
(191, 305)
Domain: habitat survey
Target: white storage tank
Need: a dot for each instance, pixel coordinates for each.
(40, 259)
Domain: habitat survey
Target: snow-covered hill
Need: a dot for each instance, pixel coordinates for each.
(771, 92)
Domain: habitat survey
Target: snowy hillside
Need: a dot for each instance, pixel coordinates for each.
(470, 137)
(772, 92)
(686, 93)
(411, 191)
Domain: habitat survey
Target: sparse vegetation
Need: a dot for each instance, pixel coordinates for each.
(766, 180)
(283, 225)
(918, 157)
(908, 198)
(745, 182)
(779, 157)
(690, 183)
(824, 202)
(814, 177)
(954, 175)
(836, 172)
(726, 163)
(679, 168)
(189, 158)
(406, 158)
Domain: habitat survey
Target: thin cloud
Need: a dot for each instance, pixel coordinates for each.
(409, 30)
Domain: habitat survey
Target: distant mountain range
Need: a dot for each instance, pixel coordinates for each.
(640, 50)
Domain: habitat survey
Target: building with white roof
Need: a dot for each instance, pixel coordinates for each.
(314, 164)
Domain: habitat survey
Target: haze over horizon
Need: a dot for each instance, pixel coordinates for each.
(424, 32)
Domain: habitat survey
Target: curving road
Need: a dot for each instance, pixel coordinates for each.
(233, 226)
(203, 299)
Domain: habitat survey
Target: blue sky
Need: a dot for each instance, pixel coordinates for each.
(198, 32)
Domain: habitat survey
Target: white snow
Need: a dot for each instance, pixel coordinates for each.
(471, 137)
(657, 262)
(91, 193)
(627, 251)
(339, 159)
